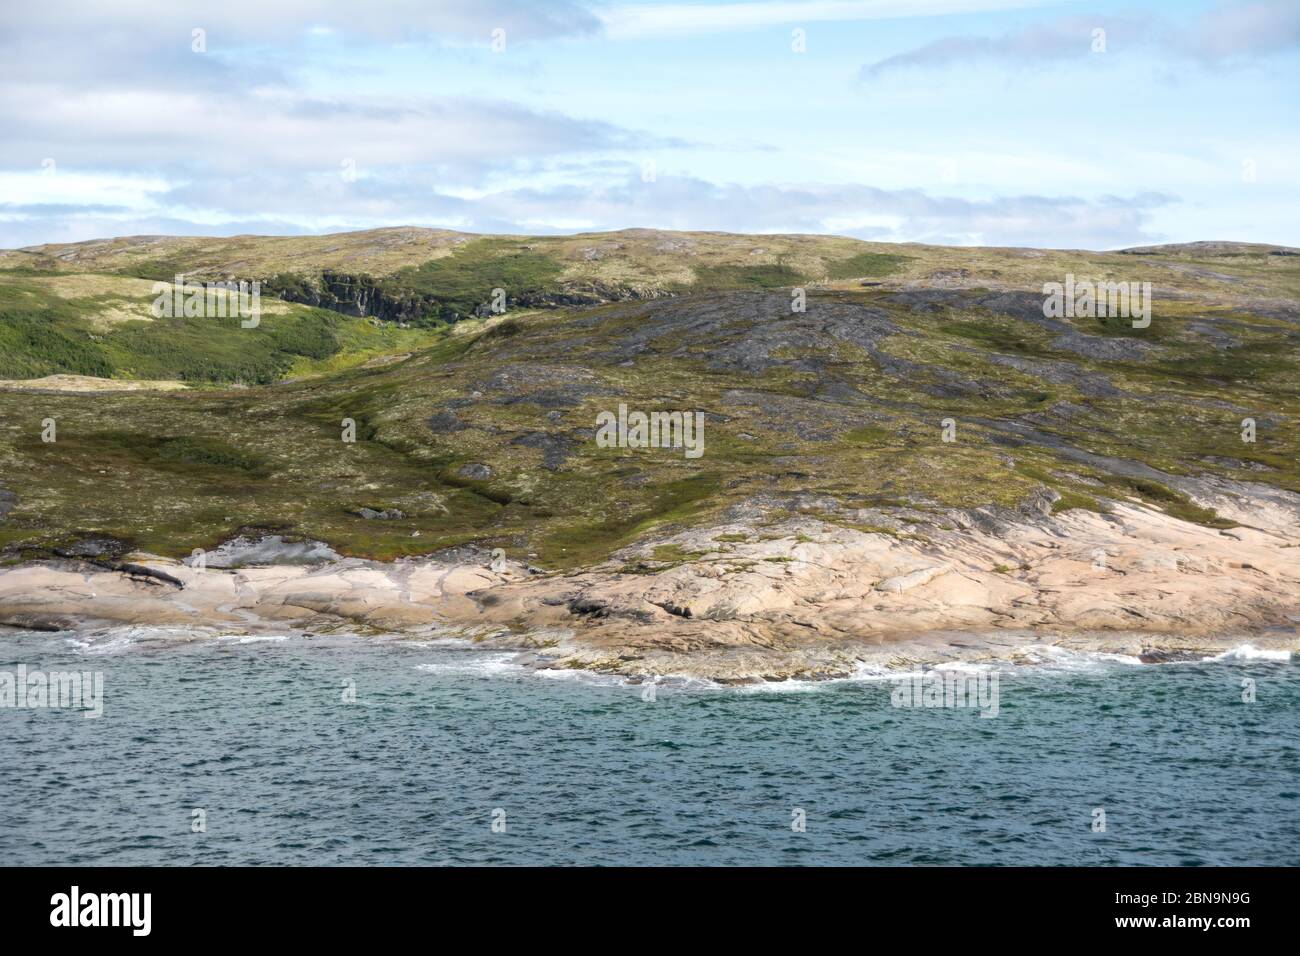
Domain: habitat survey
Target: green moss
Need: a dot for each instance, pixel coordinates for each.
(1071, 499)
(730, 277)
(675, 554)
(872, 435)
(998, 335)
(868, 528)
(1260, 361)
(183, 454)
(464, 280)
(585, 542)
(866, 265)
(1171, 502)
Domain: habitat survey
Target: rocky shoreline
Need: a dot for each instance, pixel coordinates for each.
(754, 598)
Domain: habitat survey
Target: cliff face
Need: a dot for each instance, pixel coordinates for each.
(356, 295)
(388, 299)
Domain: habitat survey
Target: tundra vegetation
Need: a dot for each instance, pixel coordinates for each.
(477, 427)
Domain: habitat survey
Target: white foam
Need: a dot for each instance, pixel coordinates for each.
(966, 667)
(253, 638)
(1051, 657)
(581, 676)
(442, 643)
(104, 646)
(788, 686)
(875, 672)
(863, 673)
(112, 640)
(478, 665)
(1249, 652)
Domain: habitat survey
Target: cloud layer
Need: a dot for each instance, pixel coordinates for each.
(317, 115)
(1234, 33)
(670, 202)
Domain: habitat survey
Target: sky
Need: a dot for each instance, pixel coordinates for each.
(1045, 123)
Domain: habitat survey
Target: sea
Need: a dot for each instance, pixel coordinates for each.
(218, 749)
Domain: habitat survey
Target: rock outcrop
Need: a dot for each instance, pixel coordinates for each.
(803, 598)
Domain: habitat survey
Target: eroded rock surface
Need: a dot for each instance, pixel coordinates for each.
(747, 600)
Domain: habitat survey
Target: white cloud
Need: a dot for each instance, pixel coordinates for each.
(1244, 30)
(1224, 34)
(253, 135)
(326, 203)
(151, 22)
(241, 131)
(629, 21)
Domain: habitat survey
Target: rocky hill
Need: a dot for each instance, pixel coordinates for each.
(914, 397)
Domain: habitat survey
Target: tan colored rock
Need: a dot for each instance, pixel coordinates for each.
(844, 599)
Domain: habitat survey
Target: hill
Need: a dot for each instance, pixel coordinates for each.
(886, 444)
(482, 429)
(84, 308)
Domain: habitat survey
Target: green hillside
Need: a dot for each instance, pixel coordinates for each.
(484, 430)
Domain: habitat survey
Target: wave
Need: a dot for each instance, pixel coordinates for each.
(124, 637)
(451, 652)
(1249, 652)
(1050, 657)
(481, 664)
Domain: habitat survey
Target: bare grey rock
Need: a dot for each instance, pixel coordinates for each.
(386, 514)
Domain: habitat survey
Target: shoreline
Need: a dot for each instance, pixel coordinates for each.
(966, 659)
(747, 600)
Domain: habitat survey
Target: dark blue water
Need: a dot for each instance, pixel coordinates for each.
(257, 735)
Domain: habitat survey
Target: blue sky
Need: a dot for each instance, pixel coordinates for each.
(974, 122)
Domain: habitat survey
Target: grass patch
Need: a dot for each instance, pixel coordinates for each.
(998, 335)
(866, 265)
(583, 543)
(1252, 364)
(735, 277)
(872, 435)
(43, 334)
(457, 284)
(181, 453)
(1072, 499)
(675, 554)
(1173, 503)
